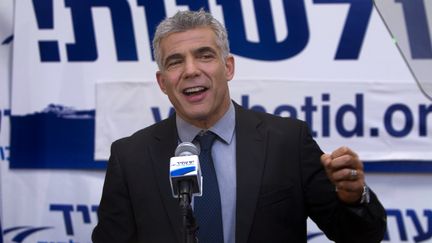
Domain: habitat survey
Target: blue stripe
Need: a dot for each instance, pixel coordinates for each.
(183, 171)
(398, 166)
(60, 139)
(21, 236)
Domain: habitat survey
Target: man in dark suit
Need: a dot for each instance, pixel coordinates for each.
(271, 174)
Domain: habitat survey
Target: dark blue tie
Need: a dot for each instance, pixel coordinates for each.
(208, 207)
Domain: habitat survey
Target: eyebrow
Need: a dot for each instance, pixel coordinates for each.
(171, 57)
(197, 51)
(205, 49)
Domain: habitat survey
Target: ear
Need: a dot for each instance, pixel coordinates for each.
(160, 80)
(229, 67)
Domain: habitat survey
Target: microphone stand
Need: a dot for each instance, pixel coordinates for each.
(189, 224)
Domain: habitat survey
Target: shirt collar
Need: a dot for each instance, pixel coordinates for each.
(224, 128)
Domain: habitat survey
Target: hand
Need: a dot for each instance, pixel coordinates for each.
(345, 171)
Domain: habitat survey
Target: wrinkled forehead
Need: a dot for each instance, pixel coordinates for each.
(187, 41)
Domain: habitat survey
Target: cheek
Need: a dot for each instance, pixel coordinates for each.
(169, 83)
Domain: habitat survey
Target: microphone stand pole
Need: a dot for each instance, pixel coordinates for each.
(189, 224)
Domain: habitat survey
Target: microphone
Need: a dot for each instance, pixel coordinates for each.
(185, 171)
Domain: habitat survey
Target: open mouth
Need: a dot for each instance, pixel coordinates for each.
(194, 90)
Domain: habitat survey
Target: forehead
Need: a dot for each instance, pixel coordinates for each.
(180, 42)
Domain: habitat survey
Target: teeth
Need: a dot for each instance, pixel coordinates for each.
(193, 90)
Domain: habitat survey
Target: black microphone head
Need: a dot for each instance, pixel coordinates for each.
(185, 149)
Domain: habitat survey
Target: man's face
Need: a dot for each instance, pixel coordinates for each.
(195, 76)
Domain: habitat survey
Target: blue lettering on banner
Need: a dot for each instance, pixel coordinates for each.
(357, 111)
(157, 114)
(67, 210)
(4, 150)
(354, 31)
(4, 153)
(154, 12)
(424, 111)
(84, 48)
(405, 110)
(413, 225)
(422, 234)
(3, 114)
(311, 108)
(267, 48)
(70, 214)
(68, 135)
(416, 23)
(49, 50)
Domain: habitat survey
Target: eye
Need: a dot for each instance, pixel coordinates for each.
(173, 63)
(207, 56)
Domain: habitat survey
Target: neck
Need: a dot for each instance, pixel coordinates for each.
(208, 122)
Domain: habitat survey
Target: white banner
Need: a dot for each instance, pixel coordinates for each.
(365, 116)
(83, 69)
(61, 55)
(347, 64)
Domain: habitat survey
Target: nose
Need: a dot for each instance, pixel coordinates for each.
(191, 68)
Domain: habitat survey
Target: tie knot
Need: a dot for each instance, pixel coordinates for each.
(206, 140)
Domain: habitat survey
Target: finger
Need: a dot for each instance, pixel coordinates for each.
(326, 160)
(343, 151)
(347, 175)
(346, 161)
(350, 186)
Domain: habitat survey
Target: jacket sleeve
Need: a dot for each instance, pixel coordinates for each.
(116, 219)
(340, 222)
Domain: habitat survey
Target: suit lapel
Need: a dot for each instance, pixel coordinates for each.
(250, 156)
(162, 149)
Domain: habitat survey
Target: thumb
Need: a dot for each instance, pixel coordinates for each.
(326, 160)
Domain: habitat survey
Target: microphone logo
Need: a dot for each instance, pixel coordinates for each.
(185, 167)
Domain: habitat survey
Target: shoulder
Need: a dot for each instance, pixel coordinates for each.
(269, 121)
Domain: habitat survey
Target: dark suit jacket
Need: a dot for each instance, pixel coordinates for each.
(280, 182)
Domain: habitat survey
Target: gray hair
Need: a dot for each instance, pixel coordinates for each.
(187, 20)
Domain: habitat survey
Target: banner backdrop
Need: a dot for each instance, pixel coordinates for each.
(6, 12)
(371, 121)
(83, 75)
(338, 75)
